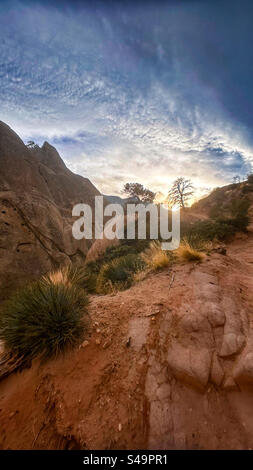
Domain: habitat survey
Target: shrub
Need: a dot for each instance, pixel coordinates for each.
(119, 251)
(211, 230)
(226, 219)
(186, 252)
(118, 273)
(99, 247)
(93, 268)
(154, 257)
(214, 212)
(45, 318)
(250, 178)
(248, 188)
(222, 228)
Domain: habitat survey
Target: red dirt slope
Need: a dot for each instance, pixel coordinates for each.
(169, 364)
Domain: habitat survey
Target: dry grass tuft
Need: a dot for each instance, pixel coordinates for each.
(154, 257)
(186, 252)
(140, 276)
(58, 277)
(67, 276)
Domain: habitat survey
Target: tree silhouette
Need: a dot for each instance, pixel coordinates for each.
(137, 191)
(236, 179)
(181, 191)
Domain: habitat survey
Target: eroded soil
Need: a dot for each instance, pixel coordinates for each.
(168, 365)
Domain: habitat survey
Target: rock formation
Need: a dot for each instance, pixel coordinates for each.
(168, 365)
(37, 193)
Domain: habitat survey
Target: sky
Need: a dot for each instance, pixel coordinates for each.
(133, 91)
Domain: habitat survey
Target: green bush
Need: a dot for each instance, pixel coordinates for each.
(218, 229)
(126, 248)
(239, 207)
(89, 276)
(225, 220)
(248, 188)
(250, 178)
(118, 251)
(118, 273)
(43, 319)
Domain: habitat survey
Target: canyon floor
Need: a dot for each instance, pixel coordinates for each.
(167, 364)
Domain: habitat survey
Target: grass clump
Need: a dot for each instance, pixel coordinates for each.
(118, 274)
(155, 257)
(186, 252)
(45, 318)
(67, 275)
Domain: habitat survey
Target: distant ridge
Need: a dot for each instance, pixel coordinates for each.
(120, 200)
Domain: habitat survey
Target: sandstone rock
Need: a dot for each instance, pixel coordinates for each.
(232, 343)
(190, 365)
(217, 372)
(243, 370)
(214, 314)
(37, 194)
(163, 391)
(233, 337)
(161, 424)
(229, 384)
(151, 386)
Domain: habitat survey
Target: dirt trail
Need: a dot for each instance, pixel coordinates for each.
(169, 364)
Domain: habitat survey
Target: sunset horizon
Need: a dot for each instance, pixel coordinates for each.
(124, 103)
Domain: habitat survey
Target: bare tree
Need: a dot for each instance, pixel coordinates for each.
(236, 179)
(181, 191)
(137, 191)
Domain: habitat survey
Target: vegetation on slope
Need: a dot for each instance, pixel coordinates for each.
(225, 219)
(49, 316)
(155, 257)
(45, 318)
(186, 252)
(118, 273)
(119, 266)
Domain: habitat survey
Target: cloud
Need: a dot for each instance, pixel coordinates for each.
(129, 93)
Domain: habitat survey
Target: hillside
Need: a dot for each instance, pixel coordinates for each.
(168, 364)
(37, 193)
(120, 200)
(221, 198)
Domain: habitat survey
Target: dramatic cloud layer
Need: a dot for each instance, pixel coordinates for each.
(133, 92)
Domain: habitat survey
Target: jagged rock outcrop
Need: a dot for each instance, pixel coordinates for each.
(37, 193)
